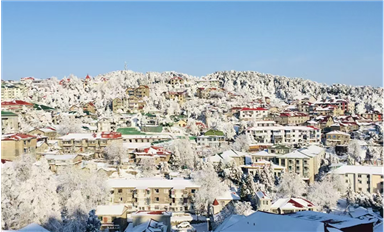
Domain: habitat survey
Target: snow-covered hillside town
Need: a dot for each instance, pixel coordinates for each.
(168, 152)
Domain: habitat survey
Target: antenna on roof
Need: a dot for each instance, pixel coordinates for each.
(125, 65)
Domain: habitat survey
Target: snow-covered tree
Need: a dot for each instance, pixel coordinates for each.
(210, 187)
(115, 152)
(324, 194)
(147, 166)
(32, 199)
(355, 150)
(241, 143)
(291, 185)
(243, 208)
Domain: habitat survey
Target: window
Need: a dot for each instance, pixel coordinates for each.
(119, 190)
(359, 175)
(193, 190)
(157, 199)
(157, 190)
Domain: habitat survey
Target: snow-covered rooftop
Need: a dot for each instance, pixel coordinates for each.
(154, 182)
(228, 195)
(112, 210)
(373, 170)
(336, 221)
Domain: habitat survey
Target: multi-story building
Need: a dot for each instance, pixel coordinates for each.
(305, 162)
(177, 96)
(335, 138)
(158, 154)
(88, 142)
(119, 104)
(9, 122)
(207, 92)
(374, 116)
(106, 124)
(135, 103)
(89, 107)
(362, 178)
(139, 92)
(176, 81)
(154, 194)
(13, 91)
(15, 145)
(253, 113)
(291, 118)
(284, 135)
(57, 161)
(48, 132)
(211, 138)
(342, 104)
(16, 105)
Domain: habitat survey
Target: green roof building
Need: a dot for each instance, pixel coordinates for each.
(214, 132)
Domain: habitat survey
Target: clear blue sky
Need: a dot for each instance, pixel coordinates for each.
(329, 42)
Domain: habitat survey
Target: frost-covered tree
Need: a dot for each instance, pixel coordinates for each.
(210, 187)
(243, 208)
(355, 150)
(267, 178)
(324, 194)
(147, 166)
(183, 154)
(291, 185)
(91, 184)
(115, 152)
(32, 199)
(241, 143)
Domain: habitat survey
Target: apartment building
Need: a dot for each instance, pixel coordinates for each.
(335, 138)
(253, 113)
(211, 138)
(15, 145)
(362, 178)
(158, 154)
(139, 92)
(177, 96)
(291, 118)
(154, 194)
(89, 107)
(15, 105)
(284, 135)
(57, 161)
(88, 142)
(374, 116)
(9, 122)
(48, 132)
(305, 162)
(135, 103)
(344, 105)
(207, 92)
(119, 104)
(12, 91)
(176, 81)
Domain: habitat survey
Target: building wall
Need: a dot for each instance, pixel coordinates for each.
(154, 198)
(11, 150)
(364, 182)
(8, 122)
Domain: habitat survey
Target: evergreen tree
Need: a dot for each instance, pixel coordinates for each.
(93, 222)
